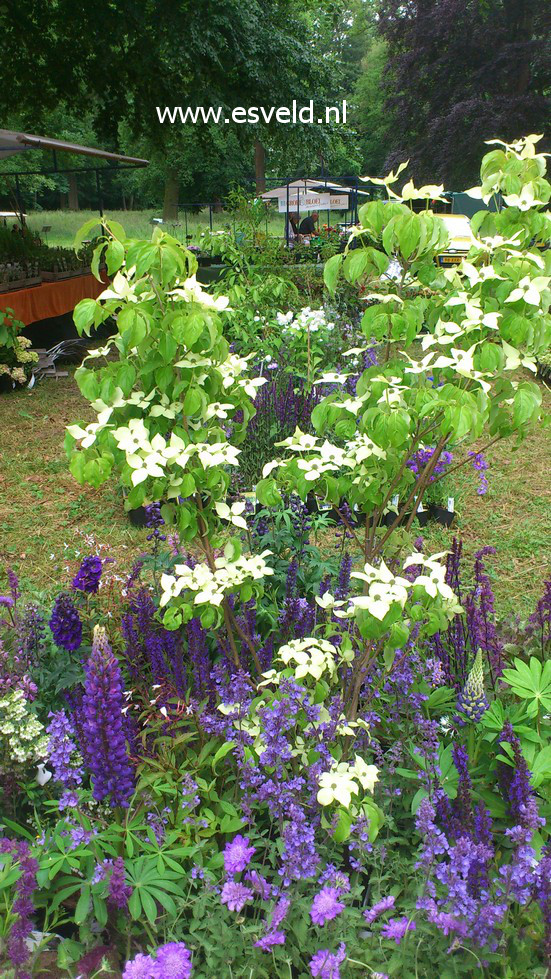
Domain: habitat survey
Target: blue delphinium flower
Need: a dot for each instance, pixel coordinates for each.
(65, 623)
(88, 576)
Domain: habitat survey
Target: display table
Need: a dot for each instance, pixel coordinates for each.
(50, 298)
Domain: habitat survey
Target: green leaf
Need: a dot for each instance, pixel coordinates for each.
(84, 315)
(408, 232)
(83, 906)
(84, 232)
(114, 256)
(331, 272)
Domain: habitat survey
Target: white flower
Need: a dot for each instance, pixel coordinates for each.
(132, 437)
(524, 201)
(233, 513)
(353, 405)
(366, 774)
(217, 410)
(191, 291)
(332, 378)
(362, 448)
(251, 385)
(529, 290)
(337, 786)
(313, 657)
(270, 466)
(299, 441)
(315, 468)
(328, 602)
(88, 435)
(217, 454)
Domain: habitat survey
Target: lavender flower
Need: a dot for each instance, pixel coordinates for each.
(65, 623)
(103, 726)
(515, 784)
(326, 905)
(88, 576)
(325, 964)
(238, 854)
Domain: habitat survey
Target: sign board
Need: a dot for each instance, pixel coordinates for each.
(313, 202)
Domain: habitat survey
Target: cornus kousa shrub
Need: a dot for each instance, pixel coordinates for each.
(163, 409)
(476, 323)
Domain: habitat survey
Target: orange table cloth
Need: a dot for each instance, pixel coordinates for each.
(50, 298)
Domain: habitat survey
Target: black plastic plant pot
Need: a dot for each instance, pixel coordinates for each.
(440, 514)
(204, 261)
(138, 517)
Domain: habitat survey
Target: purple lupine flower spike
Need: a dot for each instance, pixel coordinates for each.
(103, 727)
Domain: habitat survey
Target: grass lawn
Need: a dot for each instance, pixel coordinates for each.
(138, 224)
(44, 512)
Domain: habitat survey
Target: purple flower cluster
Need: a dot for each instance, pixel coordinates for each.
(103, 726)
(326, 905)
(235, 895)
(62, 750)
(156, 651)
(22, 906)
(238, 855)
(381, 907)
(481, 465)
(88, 576)
(326, 965)
(514, 782)
(65, 623)
(420, 460)
(171, 961)
(119, 890)
(397, 928)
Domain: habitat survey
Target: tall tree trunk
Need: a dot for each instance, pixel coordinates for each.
(73, 192)
(259, 166)
(170, 203)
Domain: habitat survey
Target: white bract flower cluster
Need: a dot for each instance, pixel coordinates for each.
(383, 589)
(343, 781)
(311, 657)
(21, 737)
(306, 320)
(210, 586)
(323, 456)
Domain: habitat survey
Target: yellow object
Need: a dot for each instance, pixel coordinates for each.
(461, 238)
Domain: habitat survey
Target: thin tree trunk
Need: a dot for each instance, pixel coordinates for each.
(259, 166)
(170, 203)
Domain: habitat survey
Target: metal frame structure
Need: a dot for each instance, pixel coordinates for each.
(12, 142)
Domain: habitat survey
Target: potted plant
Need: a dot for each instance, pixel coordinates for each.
(16, 359)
